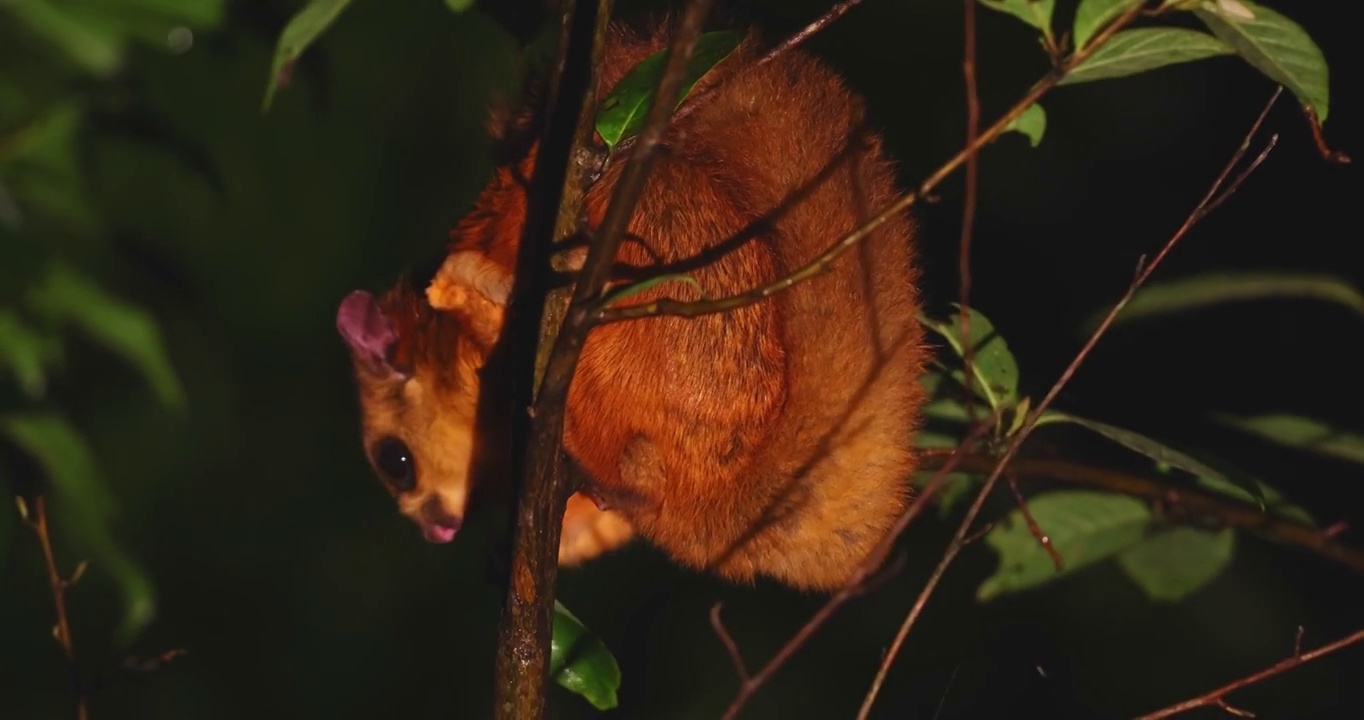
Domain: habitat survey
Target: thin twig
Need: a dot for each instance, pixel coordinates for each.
(1217, 698)
(1033, 527)
(822, 263)
(58, 584)
(968, 210)
(718, 624)
(1214, 195)
(854, 587)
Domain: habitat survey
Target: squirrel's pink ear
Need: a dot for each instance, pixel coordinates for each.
(366, 330)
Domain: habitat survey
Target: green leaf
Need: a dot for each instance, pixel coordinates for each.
(1092, 15)
(949, 409)
(1084, 527)
(994, 370)
(1303, 434)
(1032, 123)
(1273, 44)
(1171, 565)
(943, 404)
(623, 111)
(1245, 489)
(194, 13)
(68, 296)
(1134, 51)
(1020, 416)
(459, 6)
(1184, 294)
(86, 507)
(303, 30)
(26, 353)
(95, 47)
(1036, 13)
(639, 287)
(41, 165)
(580, 662)
(1135, 441)
(931, 440)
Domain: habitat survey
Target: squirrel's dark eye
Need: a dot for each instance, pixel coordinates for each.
(394, 462)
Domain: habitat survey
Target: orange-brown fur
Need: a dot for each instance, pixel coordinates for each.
(772, 440)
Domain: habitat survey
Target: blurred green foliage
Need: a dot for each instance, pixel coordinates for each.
(54, 236)
(170, 261)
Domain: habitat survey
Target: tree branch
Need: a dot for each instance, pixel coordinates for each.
(578, 175)
(555, 191)
(1211, 199)
(523, 644)
(1217, 697)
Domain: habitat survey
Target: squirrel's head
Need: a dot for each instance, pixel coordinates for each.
(420, 361)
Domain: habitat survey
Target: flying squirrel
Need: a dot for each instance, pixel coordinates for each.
(772, 440)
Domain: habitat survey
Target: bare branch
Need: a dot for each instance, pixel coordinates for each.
(1033, 527)
(522, 669)
(1200, 211)
(522, 661)
(1217, 698)
(37, 521)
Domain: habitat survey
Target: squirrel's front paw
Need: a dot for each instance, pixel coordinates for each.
(589, 532)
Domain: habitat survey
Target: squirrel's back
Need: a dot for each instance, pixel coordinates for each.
(775, 439)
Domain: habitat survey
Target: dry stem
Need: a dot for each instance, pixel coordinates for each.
(968, 211)
(38, 523)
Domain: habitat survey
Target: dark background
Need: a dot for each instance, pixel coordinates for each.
(299, 591)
